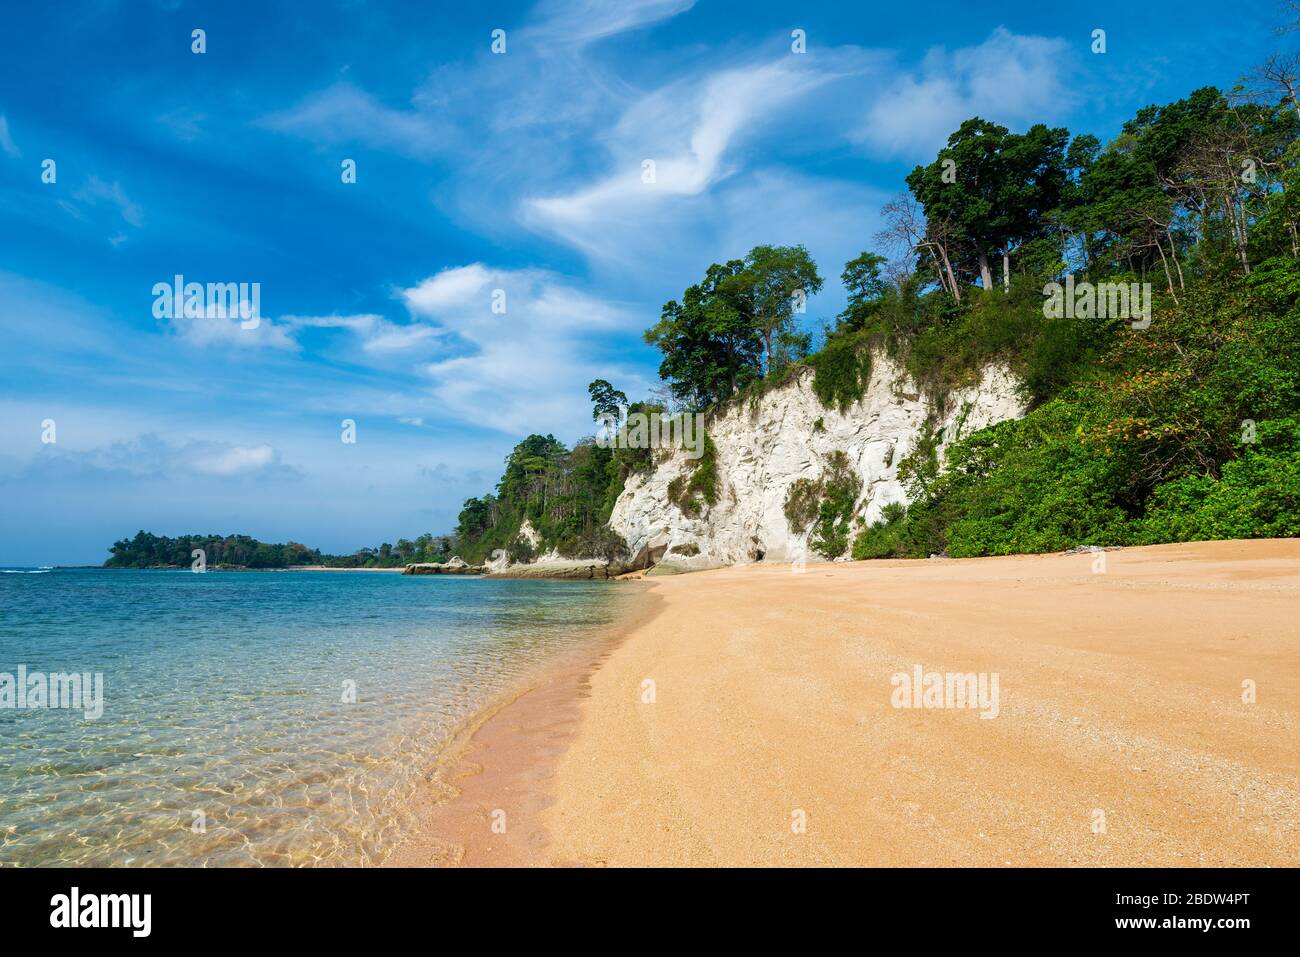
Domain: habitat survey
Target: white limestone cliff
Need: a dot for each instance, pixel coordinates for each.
(764, 447)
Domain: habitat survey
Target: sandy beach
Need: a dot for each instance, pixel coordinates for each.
(1147, 713)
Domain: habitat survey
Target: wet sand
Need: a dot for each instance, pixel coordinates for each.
(481, 804)
(771, 736)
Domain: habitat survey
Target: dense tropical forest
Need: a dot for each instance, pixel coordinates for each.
(1186, 427)
(1181, 428)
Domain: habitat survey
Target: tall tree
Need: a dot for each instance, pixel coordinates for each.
(777, 280)
(709, 341)
(866, 288)
(933, 241)
(994, 188)
(605, 399)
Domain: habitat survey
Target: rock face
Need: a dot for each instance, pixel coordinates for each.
(764, 447)
(576, 569)
(453, 566)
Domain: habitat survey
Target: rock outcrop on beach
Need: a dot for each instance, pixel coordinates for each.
(765, 445)
(578, 569)
(453, 566)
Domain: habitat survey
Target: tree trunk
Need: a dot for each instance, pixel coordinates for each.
(952, 277)
(1291, 94)
(1169, 280)
(986, 274)
(1006, 270)
(1229, 208)
(938, 266)
(1173, 254)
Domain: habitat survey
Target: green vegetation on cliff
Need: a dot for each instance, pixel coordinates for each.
(565, 495)
(1186, 430)
(1172, 418)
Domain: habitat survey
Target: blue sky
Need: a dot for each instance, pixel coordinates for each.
(475, 172)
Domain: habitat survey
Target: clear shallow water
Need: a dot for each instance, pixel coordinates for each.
(223, 694)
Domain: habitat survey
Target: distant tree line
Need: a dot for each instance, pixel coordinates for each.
(147, 550)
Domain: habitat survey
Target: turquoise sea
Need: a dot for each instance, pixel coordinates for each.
(225, 737)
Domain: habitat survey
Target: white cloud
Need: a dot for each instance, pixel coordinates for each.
(524, 369)
(184, 123)
(233, 460)
(342, 113)
(448, 290)
(390, 337)
(1009, 79)
(686, 130)
(222, 331)
(585, 20)
(96, 191)
(377, 334)
(150, 455)
(6, 141)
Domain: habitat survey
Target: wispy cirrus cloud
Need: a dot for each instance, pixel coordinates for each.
(7, 144)
(151, 455)
(106, 206)
(586, 20)
(184, 123)
(697, 133)
(343, 113)
(96, 192)
(685, 132)
(372, 332)
(554, 137)
(541, 82)
(376, 334)
(230, 332)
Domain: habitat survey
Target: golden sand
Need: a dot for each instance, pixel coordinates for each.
(770, 735)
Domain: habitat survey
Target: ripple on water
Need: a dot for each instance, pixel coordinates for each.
(225, 739)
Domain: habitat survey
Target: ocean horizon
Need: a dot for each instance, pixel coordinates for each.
(259, 718)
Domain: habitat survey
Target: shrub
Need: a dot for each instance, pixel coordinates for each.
(521, 551)
(841, 487)
(1258, 495)
(696, 489)
(842, 370)
(802, 503)
(827, 504)
(883, 539)
(598, 542)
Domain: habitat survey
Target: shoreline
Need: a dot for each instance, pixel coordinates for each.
(502, 756)
(1122, 737)
(216, 568)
